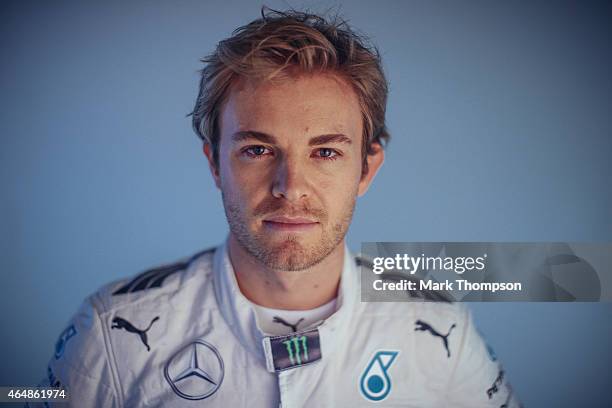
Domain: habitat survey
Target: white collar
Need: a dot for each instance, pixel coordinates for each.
(240, 315)
(278, 322)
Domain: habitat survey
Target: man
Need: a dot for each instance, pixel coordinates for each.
(291, 111)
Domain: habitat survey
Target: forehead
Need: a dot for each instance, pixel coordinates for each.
(305, 105)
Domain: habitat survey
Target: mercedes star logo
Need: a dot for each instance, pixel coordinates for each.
(196, 371)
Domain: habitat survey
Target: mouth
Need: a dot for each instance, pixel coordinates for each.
(289, 224)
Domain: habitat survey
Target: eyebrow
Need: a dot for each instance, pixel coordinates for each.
(243, 135)
(333, 138)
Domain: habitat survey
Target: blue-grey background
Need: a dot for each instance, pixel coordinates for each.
(501, 121)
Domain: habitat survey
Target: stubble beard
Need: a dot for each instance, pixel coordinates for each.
(290, 254)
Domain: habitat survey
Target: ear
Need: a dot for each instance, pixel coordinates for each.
(375, 160)
(214, 170)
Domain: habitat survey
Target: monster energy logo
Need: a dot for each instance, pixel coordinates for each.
(297, 348)
(292, 350)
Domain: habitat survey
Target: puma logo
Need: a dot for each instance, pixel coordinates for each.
(422, 326)
(496, 384)
(121, 323)
(285, 323)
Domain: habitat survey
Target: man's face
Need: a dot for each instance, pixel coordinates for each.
(290, 167)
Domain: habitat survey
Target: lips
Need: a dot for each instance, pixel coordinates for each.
(290, 220)
(289, 224)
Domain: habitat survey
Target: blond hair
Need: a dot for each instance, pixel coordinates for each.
(279, 44)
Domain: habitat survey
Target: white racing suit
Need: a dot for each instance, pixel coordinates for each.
(185, 336)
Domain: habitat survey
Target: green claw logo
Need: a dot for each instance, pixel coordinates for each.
(297, 348)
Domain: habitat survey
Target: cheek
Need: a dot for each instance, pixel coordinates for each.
(339, 188)
(244, 185)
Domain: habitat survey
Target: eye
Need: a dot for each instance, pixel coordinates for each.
(257, 151)
(326, 153)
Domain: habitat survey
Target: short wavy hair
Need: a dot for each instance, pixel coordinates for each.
(281, 43)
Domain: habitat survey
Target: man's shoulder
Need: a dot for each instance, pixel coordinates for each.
(163, 280)
(85, 348)
(417, 305)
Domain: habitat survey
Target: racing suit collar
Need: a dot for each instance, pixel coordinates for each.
(240, 315)
(234, 307)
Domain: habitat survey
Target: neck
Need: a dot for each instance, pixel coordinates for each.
(288, 290)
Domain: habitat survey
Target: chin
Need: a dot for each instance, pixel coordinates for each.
(287, 247)
(289, 255)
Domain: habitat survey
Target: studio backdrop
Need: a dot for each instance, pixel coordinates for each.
(500, 120)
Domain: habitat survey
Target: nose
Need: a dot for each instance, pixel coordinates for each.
(290, 181)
